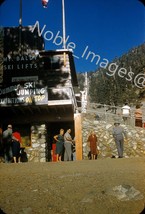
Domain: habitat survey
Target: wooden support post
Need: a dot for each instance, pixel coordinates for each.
(78, 136)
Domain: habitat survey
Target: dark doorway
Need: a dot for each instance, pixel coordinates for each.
(52, 130)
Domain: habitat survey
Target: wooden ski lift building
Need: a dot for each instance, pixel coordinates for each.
(37, 95)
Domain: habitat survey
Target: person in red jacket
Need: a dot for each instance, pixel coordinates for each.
(16, 147)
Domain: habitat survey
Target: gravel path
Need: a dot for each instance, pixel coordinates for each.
(80, 187)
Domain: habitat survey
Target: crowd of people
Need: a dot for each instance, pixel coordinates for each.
(12, 149)
(118, 132)
(126, 114)
(11, 145)
(65, 145)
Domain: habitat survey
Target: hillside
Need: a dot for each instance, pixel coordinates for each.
(120, 80)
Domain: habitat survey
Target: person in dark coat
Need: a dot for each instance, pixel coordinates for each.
(7, 140)
(59, 144)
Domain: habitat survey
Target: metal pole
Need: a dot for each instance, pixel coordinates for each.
(64, 31)
(20, 28)
(20, 17)
(63, 24)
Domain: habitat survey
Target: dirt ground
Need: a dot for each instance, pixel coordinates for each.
(78, 187)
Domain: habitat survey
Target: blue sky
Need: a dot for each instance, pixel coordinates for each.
(108, 28)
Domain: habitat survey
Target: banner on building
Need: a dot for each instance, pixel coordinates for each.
(28, 93)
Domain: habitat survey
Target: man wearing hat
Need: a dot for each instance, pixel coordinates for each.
(7, 144)
(118, 134)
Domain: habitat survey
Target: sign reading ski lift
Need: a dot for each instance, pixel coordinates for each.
(34, 67)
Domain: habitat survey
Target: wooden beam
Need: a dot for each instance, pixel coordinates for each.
(78, 136)
(59, 102)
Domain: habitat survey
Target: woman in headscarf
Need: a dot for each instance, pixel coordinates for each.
(92, 139)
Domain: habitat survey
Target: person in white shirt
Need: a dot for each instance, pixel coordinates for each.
(126, 114)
